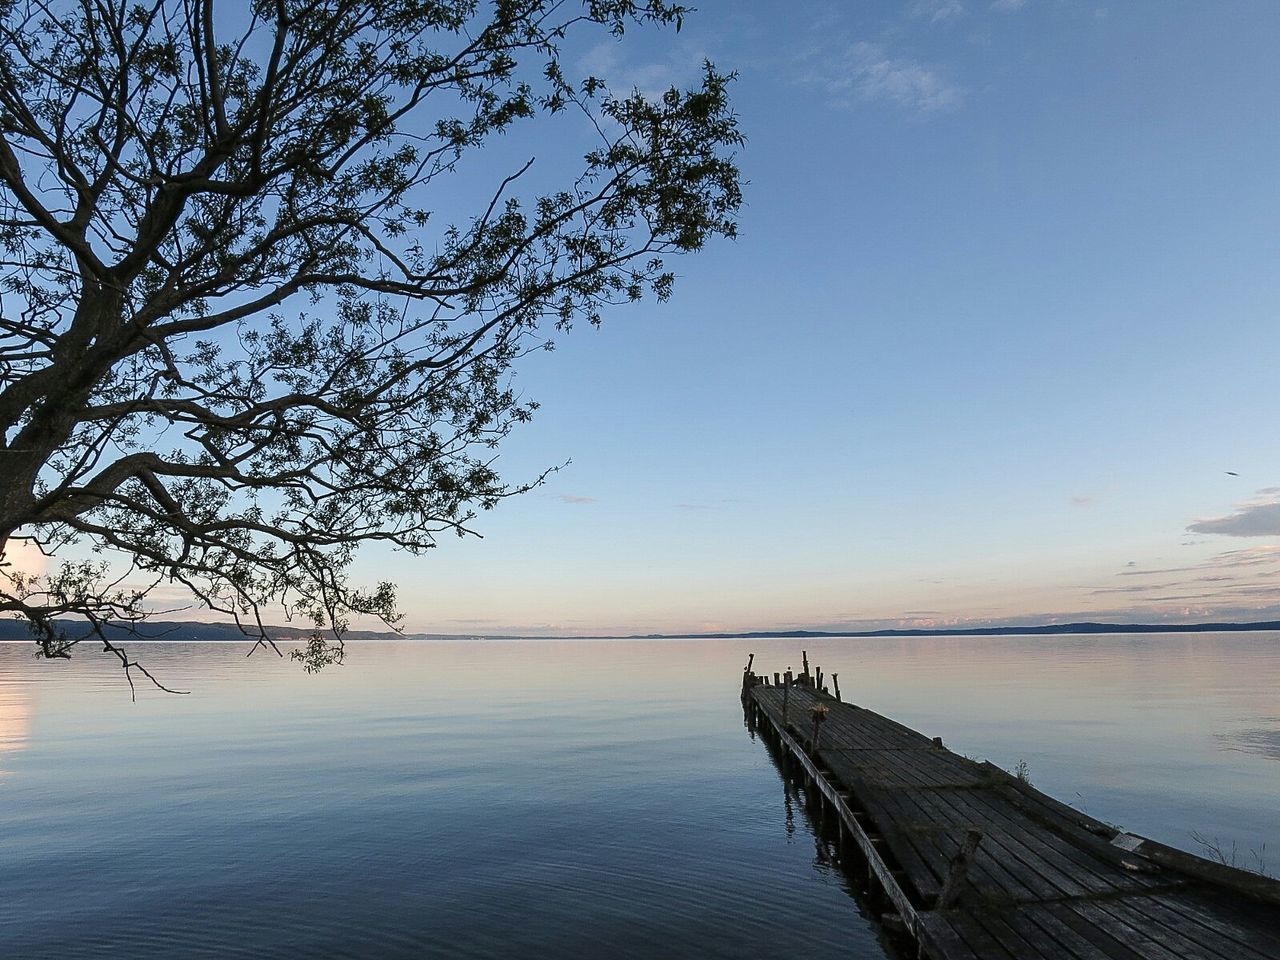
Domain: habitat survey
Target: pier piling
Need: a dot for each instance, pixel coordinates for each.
(973, 864)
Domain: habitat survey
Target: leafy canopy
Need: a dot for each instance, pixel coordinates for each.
(235, 342)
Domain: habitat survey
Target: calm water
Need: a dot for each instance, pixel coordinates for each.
(556, 799)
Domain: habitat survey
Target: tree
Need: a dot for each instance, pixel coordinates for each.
(234, 343)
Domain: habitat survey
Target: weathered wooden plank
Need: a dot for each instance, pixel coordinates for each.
(846, 736)
(1176, 940)
(907, 833)
(1252, 924)
(1242, 881)
(935, 767)
(1014, 940)
(1077, 832)
(998, 872)
(1022, 860)
(972, 933)
(990, 876)
(895, 768)
(1098, 874)
(1031, 847)
(913, 853)
(955, 937)
(1047, 807)
(881, 870)
(1018, 842)
(1045, 881)
(1109, 943)
(1090, 912)
(1216, 933)
(1071, 941)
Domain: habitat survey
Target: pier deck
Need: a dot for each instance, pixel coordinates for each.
(978, 865)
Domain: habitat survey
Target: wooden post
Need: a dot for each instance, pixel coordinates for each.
(819, 715)
(835, 681)
(805, 656)
(817, 682)
(786, 697)
(937, 742)
(959, 868)
(777, 679)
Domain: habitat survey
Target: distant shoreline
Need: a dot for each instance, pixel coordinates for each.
(199, 631)
(1083, 628)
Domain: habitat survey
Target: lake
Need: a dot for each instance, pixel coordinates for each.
(558, 798)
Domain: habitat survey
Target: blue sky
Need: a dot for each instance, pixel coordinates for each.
(1001, 317)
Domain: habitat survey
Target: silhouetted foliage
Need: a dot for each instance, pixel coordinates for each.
(235, 343)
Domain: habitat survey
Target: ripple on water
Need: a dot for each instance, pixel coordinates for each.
(548, 800)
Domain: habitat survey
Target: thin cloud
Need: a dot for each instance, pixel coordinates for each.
(572, 498)
(1083, 500)
(1223, 584)
(1250, 555)
(1240, 584)
(606, 61)
(1256, 518)
(867, 72)
(937, 11)
(1140, 588)
(1262, 556)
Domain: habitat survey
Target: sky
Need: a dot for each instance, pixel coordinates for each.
(996, 344)
(1001, 318)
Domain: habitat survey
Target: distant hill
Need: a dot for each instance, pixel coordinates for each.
(178, 630)
(197, 630)
(1046, 629)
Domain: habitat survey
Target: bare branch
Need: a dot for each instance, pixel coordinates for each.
(236, 341)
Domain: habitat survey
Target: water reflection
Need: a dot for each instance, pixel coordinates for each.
(834, 856)
(424, 801)
(15, 716)
(484, 800)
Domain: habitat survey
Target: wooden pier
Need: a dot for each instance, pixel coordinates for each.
(972, 863)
